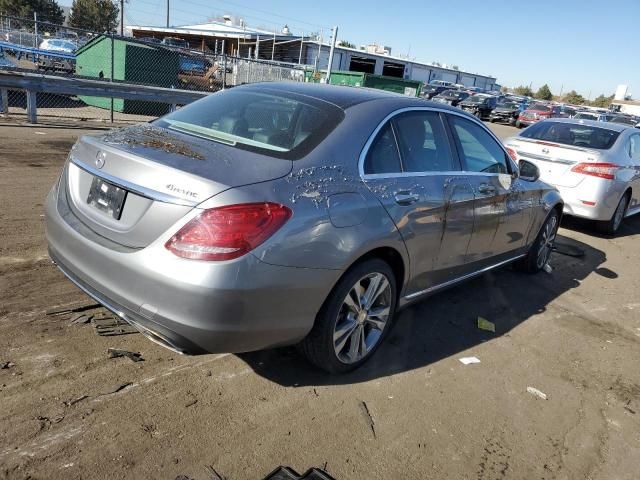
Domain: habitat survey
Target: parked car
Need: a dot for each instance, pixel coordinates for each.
(430, 91)
(52, 62)
(625, 120)
(506, 111)
(442, 83)
(479, 105)
(149, 40)
(229, 226)
(58, 45)
(594, 165)
(175, 42)
(536, 112)
(450, 97)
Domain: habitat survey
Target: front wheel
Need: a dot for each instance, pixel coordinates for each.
(611, 226)
(540, 251)
(354, 319)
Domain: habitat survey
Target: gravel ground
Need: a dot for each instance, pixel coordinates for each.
(68, 411)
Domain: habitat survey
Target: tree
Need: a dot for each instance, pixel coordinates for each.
(94, 15)
(346, 43)
(47, 10)
(544, 93)
(602, 101)
(574, 98)
(455, 67)
(523, 90)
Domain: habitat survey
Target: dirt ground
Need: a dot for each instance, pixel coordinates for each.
(415, 411)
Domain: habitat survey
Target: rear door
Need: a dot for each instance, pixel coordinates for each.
(500, 217)
(409, 166)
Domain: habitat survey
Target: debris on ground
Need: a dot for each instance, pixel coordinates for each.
(568, 250)
(116, 353)
(469, 360)
(367, 414)
(191, 403)
(73, 308)
(108, 325)
(547, 268)
(69, 403)
(484, 324)
(214, 474)
(8, 364)
(80, 318)
(287, 473)
(537, 393)
(116, 389)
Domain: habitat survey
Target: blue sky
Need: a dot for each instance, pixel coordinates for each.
(587, 45)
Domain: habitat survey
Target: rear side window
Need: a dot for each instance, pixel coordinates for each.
(423, 142)
(479, 151)
(383, 156)
(278, 124)
(634, 147)
(577, 135)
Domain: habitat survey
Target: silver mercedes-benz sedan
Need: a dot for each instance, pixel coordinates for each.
(278, 214)
(594, 165)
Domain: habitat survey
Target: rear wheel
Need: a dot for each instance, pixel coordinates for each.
(612, 225)
(540, 251)
(518, 124)
(354, 319)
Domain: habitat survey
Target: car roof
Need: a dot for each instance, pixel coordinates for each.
(346, 97)
(617, 127)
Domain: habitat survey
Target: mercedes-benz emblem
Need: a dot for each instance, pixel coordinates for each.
(100, 159)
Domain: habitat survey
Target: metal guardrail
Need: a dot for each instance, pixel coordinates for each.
(33, 83)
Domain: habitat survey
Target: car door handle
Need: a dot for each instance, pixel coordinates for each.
(486, 188)
(405, 197)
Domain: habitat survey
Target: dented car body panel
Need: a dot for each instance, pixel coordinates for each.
(441, 225)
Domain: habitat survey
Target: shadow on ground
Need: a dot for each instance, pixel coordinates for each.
(446, 323)
(630, 226)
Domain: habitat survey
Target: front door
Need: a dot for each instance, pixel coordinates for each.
(501, 215)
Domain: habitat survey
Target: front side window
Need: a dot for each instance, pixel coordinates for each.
(423, 142)
(480, 152)
(383, 156)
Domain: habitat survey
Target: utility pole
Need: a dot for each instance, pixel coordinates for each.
(122, 18)
(167, 13)
(333, 46)
(300, 55)
(273, 48)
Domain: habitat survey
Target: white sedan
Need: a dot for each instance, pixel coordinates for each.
(594, 165)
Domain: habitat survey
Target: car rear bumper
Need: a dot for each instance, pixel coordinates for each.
(187, 305)
(593, 198)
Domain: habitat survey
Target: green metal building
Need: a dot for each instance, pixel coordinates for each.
(133, 62)
(410, 88)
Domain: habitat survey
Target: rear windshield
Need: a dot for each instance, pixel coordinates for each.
(586, 116)
(624, 120)
(539, 107)
(475, 99)
(577, 135)
(278, 124)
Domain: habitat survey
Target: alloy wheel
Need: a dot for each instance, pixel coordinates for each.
(546, 242)
(362, 318)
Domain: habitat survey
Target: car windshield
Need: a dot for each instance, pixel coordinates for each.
(270, 123)
(507, 105)
(475, 99)
(577, 135)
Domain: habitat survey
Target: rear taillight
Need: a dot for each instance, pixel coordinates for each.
(601, 170)
(224, 233)
(512, 153)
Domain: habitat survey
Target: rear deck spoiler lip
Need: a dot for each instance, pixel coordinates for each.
(554, 144)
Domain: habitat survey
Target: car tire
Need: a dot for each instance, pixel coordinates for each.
(540, 251)
(478, 114)
(324, 346)
(611, 226)
(518, 124)
(492, 120)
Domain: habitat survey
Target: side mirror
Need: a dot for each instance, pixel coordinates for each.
(528, 171)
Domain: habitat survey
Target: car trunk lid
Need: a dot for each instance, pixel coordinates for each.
(555, 160)
(131, 185)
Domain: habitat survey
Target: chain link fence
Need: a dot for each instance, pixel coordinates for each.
(40, 47)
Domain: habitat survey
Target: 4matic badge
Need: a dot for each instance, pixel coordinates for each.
(182, 191)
